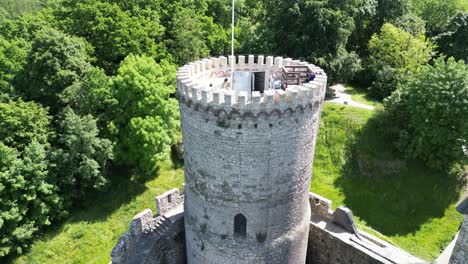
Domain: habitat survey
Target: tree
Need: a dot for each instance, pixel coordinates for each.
(13, 56)
(314, 30)
(187, 41)
(396, 52)
(428, 113)
(56, 61)
(437, 13)
(453, 41)
(112, 32)
(80, 156)
(22, 123)
(28, 197)
(388, 11)
(147, 116)
(412, 24)
(91, 95)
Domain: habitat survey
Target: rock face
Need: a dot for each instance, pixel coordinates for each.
(248, 163)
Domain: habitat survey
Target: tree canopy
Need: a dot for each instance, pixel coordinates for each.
(394, 54)
(430, 111)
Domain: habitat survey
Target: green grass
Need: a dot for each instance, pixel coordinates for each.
(89, 235)
(410, 205)
(360, 95)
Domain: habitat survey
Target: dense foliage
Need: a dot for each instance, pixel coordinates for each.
(146, 117)
(393, 55)
(428, 114)
(88, 85)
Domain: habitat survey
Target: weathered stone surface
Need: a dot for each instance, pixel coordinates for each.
(248, 161)
(154, 240)
(460, 252)
(330, 243)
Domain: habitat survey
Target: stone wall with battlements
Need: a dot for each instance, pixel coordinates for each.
(149, 242)
(250, 159)
(194, 86)
(155, 239)
(168, 201)
(331, 243)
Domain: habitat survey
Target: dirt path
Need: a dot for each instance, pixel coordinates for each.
(345, 99)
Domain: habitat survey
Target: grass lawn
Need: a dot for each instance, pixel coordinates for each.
(410, 205)
(90, 233)
(360, 95)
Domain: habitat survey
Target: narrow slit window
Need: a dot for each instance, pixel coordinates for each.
(240, 226)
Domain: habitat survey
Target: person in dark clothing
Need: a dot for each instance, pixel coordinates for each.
(311, 77)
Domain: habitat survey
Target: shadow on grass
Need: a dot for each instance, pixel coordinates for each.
(97, 206)
(390, 194)
(125, 185)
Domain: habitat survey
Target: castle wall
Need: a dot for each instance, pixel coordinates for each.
(460, 252)
(330, 243)
(250, 157)
(154, 239)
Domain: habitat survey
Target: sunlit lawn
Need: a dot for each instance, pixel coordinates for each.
(91, 233)
(412, 206)
(360, 95)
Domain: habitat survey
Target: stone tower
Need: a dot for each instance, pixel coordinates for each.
(248, 159)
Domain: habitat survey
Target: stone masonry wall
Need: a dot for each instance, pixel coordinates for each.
(247, 158)
(460, 252)
(330, 243)
(154, 239)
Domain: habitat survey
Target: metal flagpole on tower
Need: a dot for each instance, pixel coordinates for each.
(232, 46)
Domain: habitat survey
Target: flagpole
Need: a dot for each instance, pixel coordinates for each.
(232, 46)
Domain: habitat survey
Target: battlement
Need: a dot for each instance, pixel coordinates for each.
(169, 201)
(196, 85)
(320, 206)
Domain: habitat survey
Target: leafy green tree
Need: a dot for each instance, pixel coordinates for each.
(453, 42)
(411, 23)
(22, 123)
(112, 32)
(80, 156)
(395, 53)
(26, 26)
(91, 95)
(314, 30)
(363, 13)
(437, 13)
(428, 113)
(13, 56)
(56, 61)
(28, 196)
(147, 116)
(187, 41)
(390, 10)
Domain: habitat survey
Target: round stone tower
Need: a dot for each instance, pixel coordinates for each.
(248, 159)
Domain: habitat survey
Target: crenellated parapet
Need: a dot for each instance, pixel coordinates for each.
(197, 87)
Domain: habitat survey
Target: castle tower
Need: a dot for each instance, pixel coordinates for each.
(248, 159)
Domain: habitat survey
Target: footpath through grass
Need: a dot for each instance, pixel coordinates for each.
(360, 95)
(412, 206)
(89, 235)
(406, 202)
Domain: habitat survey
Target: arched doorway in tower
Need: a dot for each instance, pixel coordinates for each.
(240, 226)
